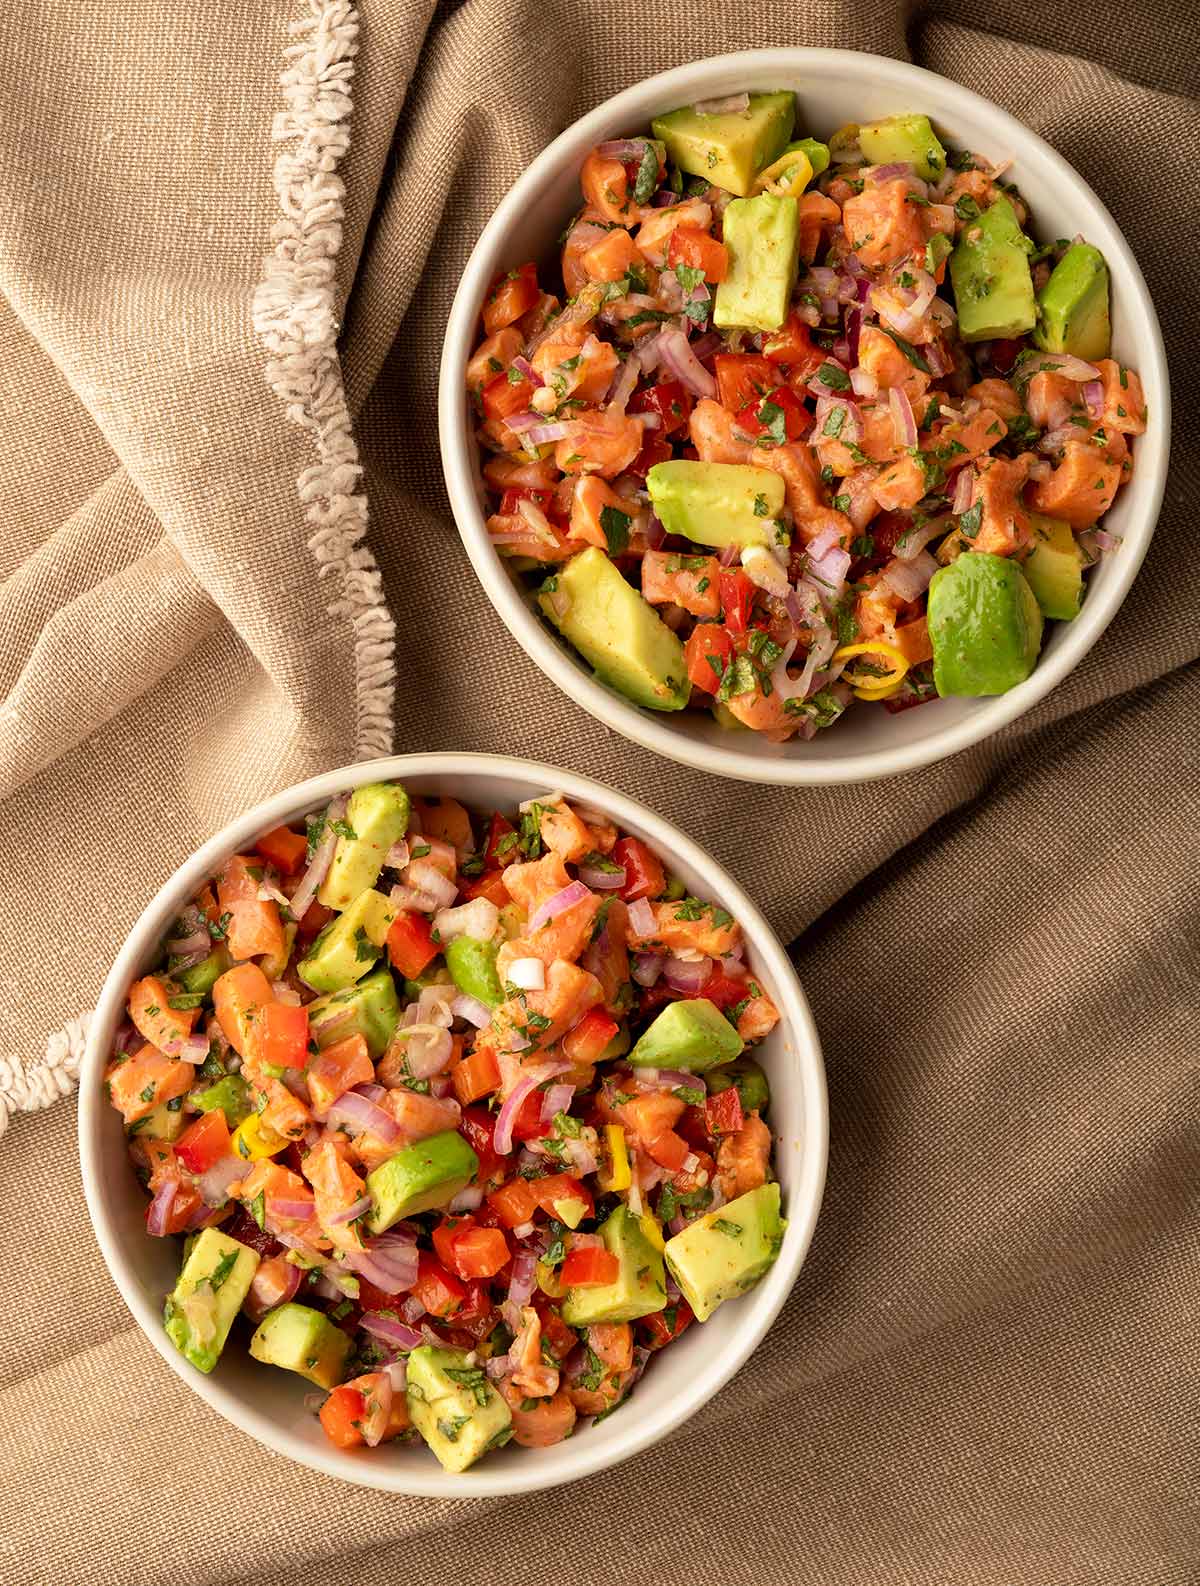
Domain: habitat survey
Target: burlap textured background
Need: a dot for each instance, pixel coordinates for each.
(988, 1372)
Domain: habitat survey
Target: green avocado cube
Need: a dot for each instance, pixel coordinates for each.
(349, 945)
(694, 1035)
(298, 1338)
(1054, 568)
(419, 1178)
(370, 1009)
(814, 151)
(904, 140)
(989, 270)
(639, 1289)
(1073, 306)
(985, 625)
(728, 148)
(454, 1406)
(228, 1094)
(749, 1079)
(377, 814)
(615, 629)
(213, 1284)
(725, 1252)
(717, 504)
(202, 977)
(762, 239)
(164, 1123)
(472, 966)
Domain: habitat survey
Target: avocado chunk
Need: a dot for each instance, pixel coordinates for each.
(903, 140)
(212, 1286)
(725, 1252)
(1073, 306)
(202, 977)
(472, 966)
(717, 504)
(349, 945)
(985, 625)
(298, 1338)
(617, 631)
(377, 814)
(422, 1176)
(454, 1407)
(749, 1079)
(814, 151)
(370, 1009)
(729, 148)
(639, 1288)
(1054, 568)
(989, 270)
(762, 238)
(693, 1035)
(229, 1094)
(164, 1123)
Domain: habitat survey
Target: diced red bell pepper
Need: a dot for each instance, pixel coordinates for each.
(470, 1251)
(562, 1187)
(693, 1126)
(707, 639)
(477, 1128)
(644, 873)
(589, 1267)
(724, 1111)
(722, 990)
(793, 345)
(742, 378)
(670, 399)
(557, 1338)
(342, 1415)
(528, 1124)
(410, 942)
(654, 450)
(283, 848)
(756, 421)
(669, 1150)
(476, 1075)
(691, 246)
(585, 1041)
(503, 397)
(737, 599)
(477, 1315)
(1005, 351)
(498, 852)
(514, 1203)
(439, 1291)
(489, 885)
(509, 297)
(204, 1142)
(663, 1327)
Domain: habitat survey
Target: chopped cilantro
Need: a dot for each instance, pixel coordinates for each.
(615, 524)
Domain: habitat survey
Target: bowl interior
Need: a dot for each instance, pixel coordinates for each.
(271, 1404)
(832, 88)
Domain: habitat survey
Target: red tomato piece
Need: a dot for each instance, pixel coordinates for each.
(589, 1267)
(669, 1150)
(654, 450)
(514, 1203)
(283, 848)
(724, 1111)
(670, 399)
(477, 1129)
(204, 1142)
(644, 873)
(761, 419)
(586, 1040)
(410, 942)
(342, 1416)
(562, 1187)
(691, 246)
(743, 378)
(280, 1035)
(793, 345)
(707, 642)
(316, 918)
(664, 1326)
(439, 1291)
(500, 847)
(737, 599)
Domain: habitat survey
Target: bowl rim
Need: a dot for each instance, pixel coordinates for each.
(804, 1195)
(687, 83)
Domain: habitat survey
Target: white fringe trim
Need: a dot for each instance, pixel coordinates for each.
(295, 318)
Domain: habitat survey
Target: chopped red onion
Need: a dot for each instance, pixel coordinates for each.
(427, 1048)
(664, 198)
(682, 975)
(731, 104)
(863, 382)
(728, 555)
(937, 363)
(646, 1080)
(467, 1199)
(641, 918)
(557, 1099)
(904, 424)
(680, 358)
(521, 1281)
(472, 1010)
(523, 366)
(706, 345)
(398, 855)
(362, 1116)
(622, 149)
(647, 967)
(425, 877)
(829, 572)
(192, 1049)
(496, 1367)
(576, 892)
(502, 1140)
(1064, 364)
(915, 539)
(527, 974)
(306, 889)
(390, 1328)
(1093, 395)
(214, 1182)
(910, 578)
(602, 880)
(964, 484)
(292, 1208)
(478, 918)
(1105, 540)
(624, 383)
(348, 1215)
(196, 941)
(159, 1210)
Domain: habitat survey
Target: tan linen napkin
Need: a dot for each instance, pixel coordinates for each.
(988, 1370)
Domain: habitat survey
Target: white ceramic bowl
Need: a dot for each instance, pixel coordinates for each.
(832, 87)
(269, 1404)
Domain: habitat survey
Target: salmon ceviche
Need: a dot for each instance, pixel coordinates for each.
(793, 424)
(453, 1114)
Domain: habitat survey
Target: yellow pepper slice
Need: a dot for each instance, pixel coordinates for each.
(619, 1176)
(652, 1229)
(787, 177)
(549, 1281)
(253, 1139)
(868, 686)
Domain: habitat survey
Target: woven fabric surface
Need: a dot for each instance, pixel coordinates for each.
(988, 1373)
